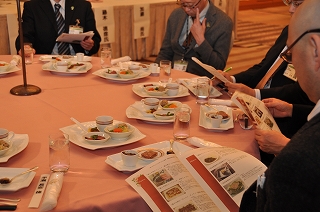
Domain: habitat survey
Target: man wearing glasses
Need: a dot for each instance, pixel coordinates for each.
(286, 185)
(197, 29)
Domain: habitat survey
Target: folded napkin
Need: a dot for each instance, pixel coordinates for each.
(15, 60)
(199, 142)
(52, 192)
(221, 102)
(120, 59)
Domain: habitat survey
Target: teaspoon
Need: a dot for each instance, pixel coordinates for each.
(6, 180)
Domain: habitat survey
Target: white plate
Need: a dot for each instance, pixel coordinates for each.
(116, 161)
(159, 152)
(49, 58)
(80, 70)
(205, 122)
(135, 111)
(20, 142)
(75, 135)
(18, 183)
(10, 69)
(191, 85)
(101, 73)
(140, 91)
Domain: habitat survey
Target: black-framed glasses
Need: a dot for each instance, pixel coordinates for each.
(294, 3)
(287, 54)
(184, 6)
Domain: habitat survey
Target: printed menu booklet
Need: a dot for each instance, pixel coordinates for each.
(75, 38)
(255, 110)
(202, 179)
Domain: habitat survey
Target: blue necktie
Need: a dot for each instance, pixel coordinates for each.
(63, 48)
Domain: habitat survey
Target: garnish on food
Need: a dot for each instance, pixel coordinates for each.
(120, 128)
(95, 137)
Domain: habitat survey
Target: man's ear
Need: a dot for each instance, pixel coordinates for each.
(315, 41)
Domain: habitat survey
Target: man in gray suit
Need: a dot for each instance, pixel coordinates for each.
(197, 29)
(291, 182)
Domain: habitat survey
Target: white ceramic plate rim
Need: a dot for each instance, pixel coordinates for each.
(19, 143)
(205, 122)
(75, 135)
(17, 184)
(49, 58)
(100, 73)
(48, 67)
(10, 70)
(139, 90)
(115, 160)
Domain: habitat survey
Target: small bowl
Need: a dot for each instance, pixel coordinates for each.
(3, 66)
(119, 135)
(111, 72)
(170, 105)
(90, 137)
(154, 90)
(163, 114)
(134, 67)
(5, 150)
(127, 74)
(129, 157)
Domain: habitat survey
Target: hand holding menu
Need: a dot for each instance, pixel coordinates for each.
(74, 38)
(204, 179)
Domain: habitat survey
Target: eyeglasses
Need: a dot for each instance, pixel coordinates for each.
(287, 54)
(294, 3)
(184, 6)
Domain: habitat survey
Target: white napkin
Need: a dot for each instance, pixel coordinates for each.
(199, 142)
(222, 102)
(15, 60)
(52, 192)
(120, 59)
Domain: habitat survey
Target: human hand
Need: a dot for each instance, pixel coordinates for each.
(232, 87)
(270, 141)
(87, 44)
(278, 108)
(198, 29)
(27, 47)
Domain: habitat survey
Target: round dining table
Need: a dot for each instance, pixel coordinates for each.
(90, 184)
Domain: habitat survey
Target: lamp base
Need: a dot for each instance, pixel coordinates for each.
(27, 90)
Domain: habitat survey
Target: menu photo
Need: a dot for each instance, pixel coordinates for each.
(203, 179)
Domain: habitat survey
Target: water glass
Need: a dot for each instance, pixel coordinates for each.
(165, 71)
(202, 90)
(28, 53)
(105, 57)
(181, 126)
(59, 152)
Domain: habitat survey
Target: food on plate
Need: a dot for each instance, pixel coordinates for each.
(126, 71)
(76, 65)
(149, 154)
(4, 145)
(95, 137)
(111, 71)
(163, 102)
(223, 114)
(157, 88)
(94, 129)
(165, 114)
(214, 114)
(128, 153)
(151, 110)
(209, 159)
(3, 66)
(147, 85)
(166, 104)
(188, 208)
(120, 128)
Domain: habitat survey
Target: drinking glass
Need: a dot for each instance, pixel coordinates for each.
(202, 90)
(105, 57)
(59, 152)
(28, 53)
(165, 71)
(181, 126)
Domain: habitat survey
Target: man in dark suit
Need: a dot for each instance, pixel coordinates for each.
(292, 180)
(211, 31)
(40, 26)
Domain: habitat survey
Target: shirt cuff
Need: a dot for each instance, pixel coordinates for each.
(258, 94)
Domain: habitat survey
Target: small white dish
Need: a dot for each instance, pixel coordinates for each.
(164, 114)
(96, 137)
(169, 105)
(211, 113)
(115, 131)
(19, 183)
(128, 74)
(205, 122)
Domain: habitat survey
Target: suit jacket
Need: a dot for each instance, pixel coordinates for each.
(288, 187)
(40, 28)
(213, 51)
(253, 75)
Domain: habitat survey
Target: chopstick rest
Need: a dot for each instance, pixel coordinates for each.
(52, 192)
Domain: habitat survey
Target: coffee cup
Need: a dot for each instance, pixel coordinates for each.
(103, 121)
(150, 103)
(129, 157)
(215, 121)
(80, 56)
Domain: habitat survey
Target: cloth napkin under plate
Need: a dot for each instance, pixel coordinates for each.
(52, 192)
(199, 142)
(222, 102)
(120, 59)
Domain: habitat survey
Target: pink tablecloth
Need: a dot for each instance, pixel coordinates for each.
(91, 184)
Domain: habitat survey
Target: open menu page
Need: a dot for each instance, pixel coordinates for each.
(203, 179)
(255, 110)
(75, 38)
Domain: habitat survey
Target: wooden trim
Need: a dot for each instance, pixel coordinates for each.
(247, 5)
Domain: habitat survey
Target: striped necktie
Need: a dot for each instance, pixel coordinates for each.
(63, 48)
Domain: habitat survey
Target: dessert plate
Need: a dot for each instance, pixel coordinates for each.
(116, 161)
(20, 142)
(18, 183)
(204, 121)
(76, 136)
(140, 91)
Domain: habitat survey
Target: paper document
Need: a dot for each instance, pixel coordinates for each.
(74, 38)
